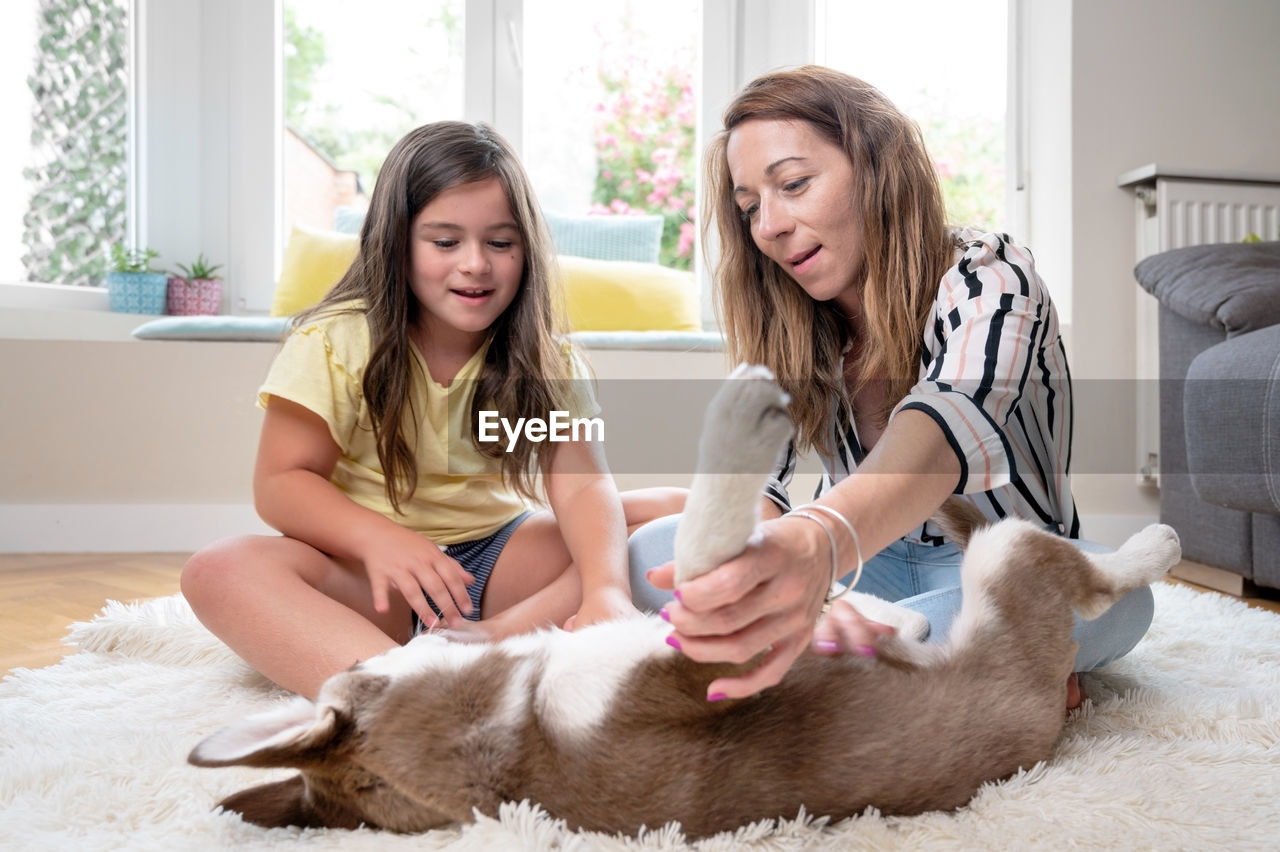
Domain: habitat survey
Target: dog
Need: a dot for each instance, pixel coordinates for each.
(609, 728)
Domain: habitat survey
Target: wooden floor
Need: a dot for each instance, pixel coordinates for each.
(41, 594)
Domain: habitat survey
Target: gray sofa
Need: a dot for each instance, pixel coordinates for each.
(1220, 404)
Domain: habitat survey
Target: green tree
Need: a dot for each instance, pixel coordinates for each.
(79, 178)
(319, 120)
(304, 54)
(314, 114)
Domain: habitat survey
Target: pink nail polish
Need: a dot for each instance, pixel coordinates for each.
(827, 646)
(866, 650)
(717, 696)
(676, 592)
(663, 612)
(673, 642)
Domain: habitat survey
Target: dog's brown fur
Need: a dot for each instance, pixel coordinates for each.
(919, 728)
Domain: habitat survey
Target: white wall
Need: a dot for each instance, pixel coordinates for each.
(1114, 84)
(1044, 93)
(115, 444)
(1176, 82)
(211, 150)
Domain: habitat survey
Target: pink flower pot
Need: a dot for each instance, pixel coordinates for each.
(196, 296)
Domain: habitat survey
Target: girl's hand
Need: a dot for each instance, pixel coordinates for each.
(400, 559)
(763, 602)
(605, 604)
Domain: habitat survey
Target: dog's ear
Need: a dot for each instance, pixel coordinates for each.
(292, 735)
(959, 519)
(285, 803)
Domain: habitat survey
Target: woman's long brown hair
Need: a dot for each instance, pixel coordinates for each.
(524, 372)
(768, 319)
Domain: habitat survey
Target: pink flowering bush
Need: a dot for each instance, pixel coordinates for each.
(645, 147)
(968, 153)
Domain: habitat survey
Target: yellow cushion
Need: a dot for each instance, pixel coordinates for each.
(620, 295)
(314, 260)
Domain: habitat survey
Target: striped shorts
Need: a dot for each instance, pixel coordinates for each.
(477, 558)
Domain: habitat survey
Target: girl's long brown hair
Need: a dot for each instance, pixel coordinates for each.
(524, 372)
(768, 319)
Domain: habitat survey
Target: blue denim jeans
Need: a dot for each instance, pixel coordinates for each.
(927, 580)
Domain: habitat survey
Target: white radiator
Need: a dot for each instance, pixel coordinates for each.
(1176, 208)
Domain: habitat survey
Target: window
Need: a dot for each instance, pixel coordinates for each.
(213, 176)
(354, 84)
(946, 70)
(610, 114)
(64, 146)
(606, 100)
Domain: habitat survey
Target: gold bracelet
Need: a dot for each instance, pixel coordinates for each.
(835, 561)
(853, 534)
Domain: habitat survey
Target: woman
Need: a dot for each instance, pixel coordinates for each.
(921, 361)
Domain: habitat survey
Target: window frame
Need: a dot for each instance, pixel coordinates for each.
(209, 134)
(763, 36)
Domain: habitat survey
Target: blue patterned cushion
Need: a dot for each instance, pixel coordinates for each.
(607, 237)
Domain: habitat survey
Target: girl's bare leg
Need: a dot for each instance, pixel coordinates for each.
(532, 586)
(299, 616)
(293, 613)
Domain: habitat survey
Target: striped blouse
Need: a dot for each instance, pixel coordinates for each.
(994, 377)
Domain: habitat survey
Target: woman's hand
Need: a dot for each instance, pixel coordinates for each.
(400, 559)
(764, 601)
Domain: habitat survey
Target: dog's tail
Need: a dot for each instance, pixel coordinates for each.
(958, 520)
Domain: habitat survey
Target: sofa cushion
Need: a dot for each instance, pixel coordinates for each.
(314, 260)
(670, 341)
(1231, 286)
(636, 238)
(208, 327)
(615, 295)
(1231, 405)
(348, 220)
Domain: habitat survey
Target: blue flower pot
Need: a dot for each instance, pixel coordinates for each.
(137, 292)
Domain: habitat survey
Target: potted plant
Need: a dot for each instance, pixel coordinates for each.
(198, 290)
(133, 287)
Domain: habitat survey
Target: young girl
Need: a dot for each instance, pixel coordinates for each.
(393, 513)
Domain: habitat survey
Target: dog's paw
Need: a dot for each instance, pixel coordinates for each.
(465, 632)
(1153, 551)
(747, 423)
(909, 623)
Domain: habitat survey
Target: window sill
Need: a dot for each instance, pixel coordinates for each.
(25, 295)
(56, 324)
(53, 312)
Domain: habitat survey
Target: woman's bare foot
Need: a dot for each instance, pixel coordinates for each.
(1075, 694)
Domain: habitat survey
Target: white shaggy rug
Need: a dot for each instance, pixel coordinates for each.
(1180, 748)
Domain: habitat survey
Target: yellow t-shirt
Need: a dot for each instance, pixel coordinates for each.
(460, 494)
